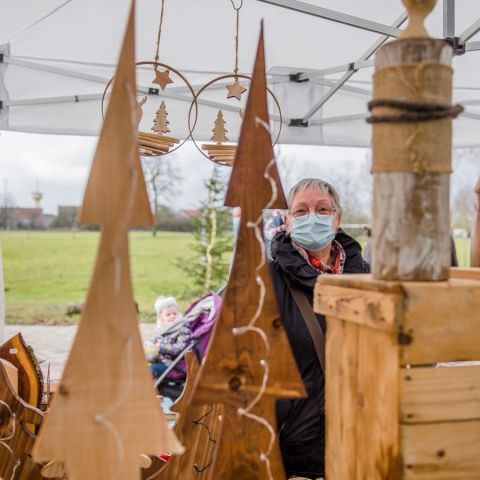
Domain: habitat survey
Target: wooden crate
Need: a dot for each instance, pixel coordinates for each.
(396, 409)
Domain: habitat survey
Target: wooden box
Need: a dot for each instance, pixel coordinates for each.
(395, 408)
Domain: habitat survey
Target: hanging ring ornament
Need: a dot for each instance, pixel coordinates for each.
(191, 128)
(185, 81)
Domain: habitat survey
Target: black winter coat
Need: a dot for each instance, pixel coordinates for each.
(301, 422)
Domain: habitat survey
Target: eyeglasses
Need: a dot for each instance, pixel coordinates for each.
(300, 212)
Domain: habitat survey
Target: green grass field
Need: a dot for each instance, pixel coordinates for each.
(46, 271)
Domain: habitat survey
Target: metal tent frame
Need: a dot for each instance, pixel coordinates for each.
(461, 44)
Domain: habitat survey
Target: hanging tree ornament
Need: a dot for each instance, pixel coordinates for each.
(157, 143)
(220, 152)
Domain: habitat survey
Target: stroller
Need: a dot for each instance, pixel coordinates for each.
(201, 315)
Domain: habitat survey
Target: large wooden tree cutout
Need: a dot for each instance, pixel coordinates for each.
(105, 413)
(249, 363)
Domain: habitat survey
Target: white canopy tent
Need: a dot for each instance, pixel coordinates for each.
(56, 57)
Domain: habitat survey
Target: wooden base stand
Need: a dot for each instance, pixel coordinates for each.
(395, 409)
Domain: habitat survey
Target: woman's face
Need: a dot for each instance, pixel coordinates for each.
(312, 200)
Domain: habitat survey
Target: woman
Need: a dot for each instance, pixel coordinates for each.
(312, 244)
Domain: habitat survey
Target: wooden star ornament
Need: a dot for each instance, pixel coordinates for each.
(162, 78)
(235, 90)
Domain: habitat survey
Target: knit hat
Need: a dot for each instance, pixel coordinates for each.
(163, 302)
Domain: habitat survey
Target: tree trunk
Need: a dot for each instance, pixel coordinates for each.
(411, 165)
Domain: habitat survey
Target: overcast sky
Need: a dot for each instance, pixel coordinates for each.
(60, 166)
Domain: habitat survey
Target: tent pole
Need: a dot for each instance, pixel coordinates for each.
(448, 18)
(335, 16)
(366, 56)
(472, 46)
(4, 53)
(471, 31)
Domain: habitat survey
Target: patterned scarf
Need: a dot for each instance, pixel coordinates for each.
(337, 259)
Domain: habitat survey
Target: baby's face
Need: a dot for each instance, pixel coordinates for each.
(168, 315)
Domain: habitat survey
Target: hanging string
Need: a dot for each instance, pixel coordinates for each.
(159, 34)
(3, 440)
(251, 326)
(237, 31)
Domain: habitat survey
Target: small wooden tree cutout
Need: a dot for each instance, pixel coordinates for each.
(105, 413)
(249, 362)
(219, 131)
(161, 121)
(217, 152)
(154, 144)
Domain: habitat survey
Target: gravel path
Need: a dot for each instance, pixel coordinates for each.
(51, 344)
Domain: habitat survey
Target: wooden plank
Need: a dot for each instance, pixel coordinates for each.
(361, 282)
(441, 451)
(377, 422)
(341, 355)
(433, 394)
(441, 322)
(12, 373)
(153, 145)
(214, 146)
(164, 138)
(372, 309)
(470, 273)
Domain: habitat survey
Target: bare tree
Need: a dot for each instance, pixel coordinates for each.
(466, 171)
(7, 209)
(163, 177)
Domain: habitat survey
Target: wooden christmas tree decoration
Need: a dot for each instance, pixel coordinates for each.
(197, 427)
(157, 143)
(218, 152)
(16, 441)
(105, 413)
(161, 121)
(249, 362)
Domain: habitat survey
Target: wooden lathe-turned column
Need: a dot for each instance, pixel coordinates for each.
(412, 142)
(475, 248)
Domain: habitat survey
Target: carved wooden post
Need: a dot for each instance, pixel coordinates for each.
(475, 248)
(412, 154)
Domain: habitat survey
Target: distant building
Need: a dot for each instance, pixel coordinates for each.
(25, 218)
(188, 214)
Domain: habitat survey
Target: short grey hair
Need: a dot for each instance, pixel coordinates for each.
(320, 185)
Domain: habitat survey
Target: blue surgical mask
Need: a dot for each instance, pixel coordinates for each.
(313, 231)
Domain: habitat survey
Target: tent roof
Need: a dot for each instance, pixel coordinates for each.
(58, 55)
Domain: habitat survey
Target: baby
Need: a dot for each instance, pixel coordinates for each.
(173, 335)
